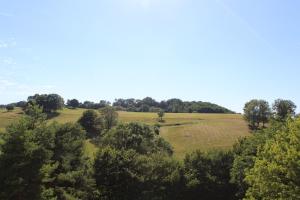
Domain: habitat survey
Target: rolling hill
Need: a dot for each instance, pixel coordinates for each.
(185, 131)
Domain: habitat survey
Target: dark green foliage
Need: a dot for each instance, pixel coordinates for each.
(172, 105)
(35, 115)
(256, 112)
(208, 176)
(21, 104)
(73, 103)
(10, 107)
(136, 164)
(92, 105)
(110, 117)
(40, 161)
(53, 102)
(127, 175)
(138, 137)
(156, 129)
(115, 174)
(71, 175)
(284, 108)
(25, 152)
(245, 152)
(92, 123)
(49, 102)
(160, 114)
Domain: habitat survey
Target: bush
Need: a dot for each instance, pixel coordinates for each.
(138, 137)
(208, 176)
(92, 123)
(10, 107)
(127, 175)
(73, 103)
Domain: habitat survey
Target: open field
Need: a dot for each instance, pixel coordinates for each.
(185, 131)
(7, 118)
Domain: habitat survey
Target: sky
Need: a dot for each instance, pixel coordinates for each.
(222, 51)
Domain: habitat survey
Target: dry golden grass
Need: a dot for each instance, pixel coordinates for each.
(7, 118)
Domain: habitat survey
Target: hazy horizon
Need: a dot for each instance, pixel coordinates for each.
(224, 51)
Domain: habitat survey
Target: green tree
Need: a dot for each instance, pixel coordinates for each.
(43, 161)
(110, 117)
(208, 176)
(161, 114)
(49, 102)
(138, 137)
(71, 177)
(276, 171)
(264, 112)
(10, 107)
(256, 112)
(25, 160)
(92, 123)
(127, 175)
(251, 113)
(244, 154)
(283, 108)
(73, 103)
(115, 174)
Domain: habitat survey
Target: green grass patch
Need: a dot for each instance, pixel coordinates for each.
(90, 149)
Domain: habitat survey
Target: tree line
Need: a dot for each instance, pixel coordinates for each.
(149, 104)
(52, 102)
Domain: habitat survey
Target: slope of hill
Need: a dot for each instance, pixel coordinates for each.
(185, 131)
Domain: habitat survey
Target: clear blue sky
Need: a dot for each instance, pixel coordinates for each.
(222, 51)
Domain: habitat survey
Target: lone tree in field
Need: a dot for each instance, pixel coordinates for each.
(110, 117)
(256, 112)
(161, 114)
(73, 103)
(283, 108)
(10, 107)
(92, 123)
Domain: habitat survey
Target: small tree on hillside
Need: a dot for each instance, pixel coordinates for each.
(92, 123)
(73, 103)
(160, 114)
(283, 108)
(256, 112)
(264, 112)
(251, 113)
(110, 117)
(10, 107)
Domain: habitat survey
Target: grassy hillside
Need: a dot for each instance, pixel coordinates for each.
(185, 131)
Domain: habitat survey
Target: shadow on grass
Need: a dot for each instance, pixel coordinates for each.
(178, 124)
(52, 115)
